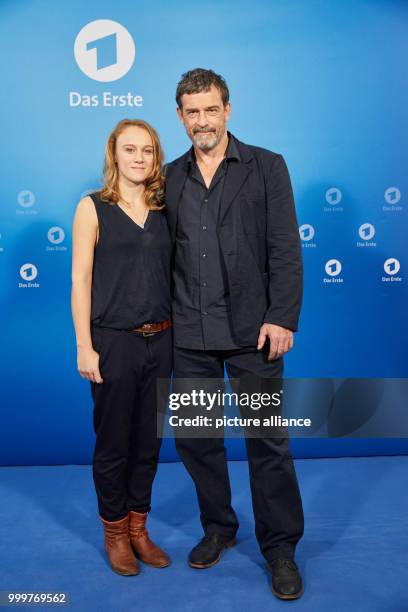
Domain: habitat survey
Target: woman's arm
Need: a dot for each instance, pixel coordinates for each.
(84, 237)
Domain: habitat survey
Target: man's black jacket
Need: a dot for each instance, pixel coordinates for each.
(259, 239)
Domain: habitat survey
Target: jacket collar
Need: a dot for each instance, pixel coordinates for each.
(238, 171)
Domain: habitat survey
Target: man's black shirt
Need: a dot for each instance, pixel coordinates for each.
(201, 309)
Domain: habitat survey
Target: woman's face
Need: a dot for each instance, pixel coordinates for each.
(134, 154)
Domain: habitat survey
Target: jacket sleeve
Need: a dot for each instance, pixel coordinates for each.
(284, 249)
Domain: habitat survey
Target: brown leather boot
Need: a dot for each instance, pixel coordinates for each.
(144, 548)
(118, 548)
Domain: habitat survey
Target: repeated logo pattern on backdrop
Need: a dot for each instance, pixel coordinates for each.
(366, 232)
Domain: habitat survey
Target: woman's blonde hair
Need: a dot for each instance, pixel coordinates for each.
(154, 183)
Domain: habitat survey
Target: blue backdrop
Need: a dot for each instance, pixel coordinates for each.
(321, 82)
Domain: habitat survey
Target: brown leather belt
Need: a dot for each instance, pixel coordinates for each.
(149, 329)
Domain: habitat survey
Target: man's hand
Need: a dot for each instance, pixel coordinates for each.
(280, 340)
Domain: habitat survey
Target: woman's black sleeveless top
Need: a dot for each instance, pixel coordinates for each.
(131, 270)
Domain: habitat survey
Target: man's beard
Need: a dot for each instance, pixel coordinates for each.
(207, 141)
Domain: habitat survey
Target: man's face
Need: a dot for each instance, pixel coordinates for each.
(205, 117)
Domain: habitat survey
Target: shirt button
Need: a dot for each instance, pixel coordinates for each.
(206, 201)
(204, 284)
(205, 312)
(204, 227)
(204, 255)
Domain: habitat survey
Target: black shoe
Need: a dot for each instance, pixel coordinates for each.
(208, 551)
(286, 580)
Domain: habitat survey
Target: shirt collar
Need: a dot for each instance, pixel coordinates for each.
(232, 149)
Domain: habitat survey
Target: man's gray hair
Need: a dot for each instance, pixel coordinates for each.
(198, 80)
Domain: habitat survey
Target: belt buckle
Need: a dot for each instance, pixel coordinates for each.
(146, 334)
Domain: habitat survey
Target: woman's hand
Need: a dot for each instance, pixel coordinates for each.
(88, 364)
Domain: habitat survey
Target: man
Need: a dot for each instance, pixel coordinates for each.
(237, 294)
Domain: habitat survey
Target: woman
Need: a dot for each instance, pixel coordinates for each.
(121, 312)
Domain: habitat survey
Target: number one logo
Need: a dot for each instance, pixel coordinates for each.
(106, 50)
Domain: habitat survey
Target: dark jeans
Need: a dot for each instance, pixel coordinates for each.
(125, 418)
(276, 500)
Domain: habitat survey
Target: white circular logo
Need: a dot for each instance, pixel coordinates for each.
(306, 232)
(56, 235)
(366, 231)
(104, 50)
(333, 196)
(26, 198)
(392, 195)
(333, 267)
(392, 266)
(28, 272)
